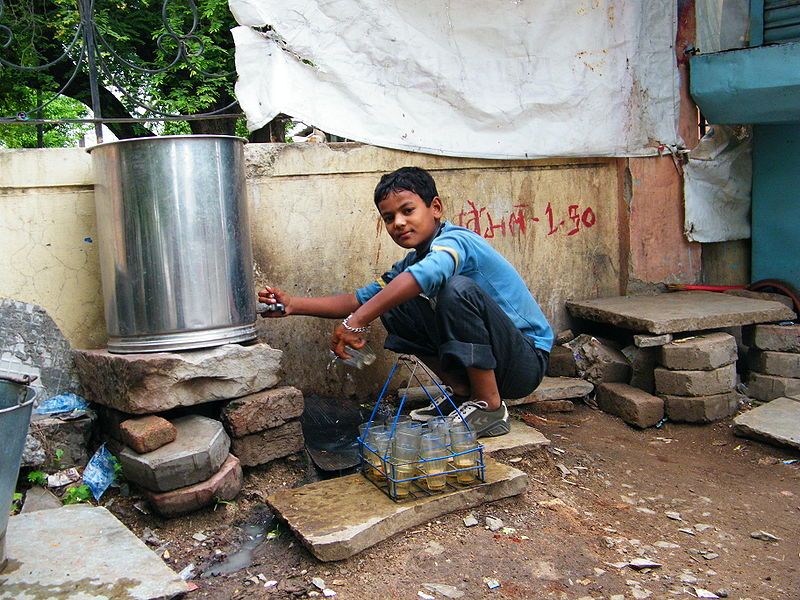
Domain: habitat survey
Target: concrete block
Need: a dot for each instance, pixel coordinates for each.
(781, 364)
(146, 434)
(562, 363)
(695, 383)
(225, 484)
(701, 409)
(340, 517)
(651, 341)
(778, 338)
(777, 422)
(265, 446)
(264, 410)
(73, 437)
(196, 454)
(107, 559)
(152, 383)
(598, 361)
(643, 363)
(555, 388)
(700, 353)
(768, 387)
(631, 404)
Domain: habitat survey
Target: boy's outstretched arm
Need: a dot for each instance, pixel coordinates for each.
(401, 289)
(331, 307)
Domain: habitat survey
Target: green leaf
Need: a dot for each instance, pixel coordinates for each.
(37, 478)
(77, 495)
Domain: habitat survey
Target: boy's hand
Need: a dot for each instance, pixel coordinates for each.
(272, 295)
(341, 338)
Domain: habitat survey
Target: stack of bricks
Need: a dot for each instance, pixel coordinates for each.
(774, 361)
(180, 466)
(697, 378)
(266, 425)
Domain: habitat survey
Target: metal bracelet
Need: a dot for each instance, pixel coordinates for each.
(352, 329)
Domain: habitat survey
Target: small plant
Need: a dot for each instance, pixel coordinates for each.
(58, 455)
(220, 501)
(16, 503)
(37, 478)
(77, 495)
(119, 477)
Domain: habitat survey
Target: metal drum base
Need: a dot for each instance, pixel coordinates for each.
(185, 340)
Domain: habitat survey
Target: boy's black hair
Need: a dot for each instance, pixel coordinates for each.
(410, 179)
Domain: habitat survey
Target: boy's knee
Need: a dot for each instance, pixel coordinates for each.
(456, 289)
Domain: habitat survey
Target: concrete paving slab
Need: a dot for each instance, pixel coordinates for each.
(338, 518)
(776, 422)
(39, 498)
(679, 311)
(81, 553)
(556, 388)
(521, 438)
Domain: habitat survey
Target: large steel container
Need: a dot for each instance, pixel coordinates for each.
(174, 239)
(16, 402)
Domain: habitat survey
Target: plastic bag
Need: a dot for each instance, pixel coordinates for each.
(63, 403)
(99, 472)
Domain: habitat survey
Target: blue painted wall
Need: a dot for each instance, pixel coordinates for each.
(776, 203)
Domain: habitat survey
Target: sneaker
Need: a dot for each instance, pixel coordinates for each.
(442, 406)
(485, 423)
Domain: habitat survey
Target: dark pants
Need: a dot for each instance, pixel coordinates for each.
(465, 327)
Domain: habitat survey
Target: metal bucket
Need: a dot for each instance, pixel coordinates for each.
(176, 258)
(16, 402)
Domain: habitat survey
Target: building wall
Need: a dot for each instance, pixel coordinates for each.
(315, 232)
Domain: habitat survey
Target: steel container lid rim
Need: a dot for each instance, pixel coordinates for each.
(168, 137)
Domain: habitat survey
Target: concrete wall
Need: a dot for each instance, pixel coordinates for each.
(316, 231)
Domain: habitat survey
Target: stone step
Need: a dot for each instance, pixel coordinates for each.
(338, 518)
(198, 452)
(777, 422)
(521, 438)
(556, 388)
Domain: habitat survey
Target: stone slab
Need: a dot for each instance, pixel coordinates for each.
(632, 405)
(81, 553)
(225, 484)
(265, 446)
(145, 434)
(39, 498)
(338, 518)
(695, 383)
(702, 409)
(768, 387)
(263, 410)
(778, 338)
(700, 352)
(155, 382)
(777, 422)
(679, 311)
(556, 388)
(780, 364)
(521, 438)
(196, 454)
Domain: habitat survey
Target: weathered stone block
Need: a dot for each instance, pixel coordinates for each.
(562, 363)
(196, 454)
(631, 404)
(39, 498)
(555, 388)
(700, 353)
(598, 361)
(651, 341)
(768, 387)
(778, 338)
(643, 363)
(72, 437)
(551, 406)
(264, 410)
(702, 409)
(695, 383)
(150, 383)
(225, 484)
(265, 446)
(781, 364)
(777, 422)
(146, 434)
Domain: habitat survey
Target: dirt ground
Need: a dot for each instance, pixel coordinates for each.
(598, 497)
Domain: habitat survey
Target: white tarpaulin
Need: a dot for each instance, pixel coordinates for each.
(716, 187)
(481, 78)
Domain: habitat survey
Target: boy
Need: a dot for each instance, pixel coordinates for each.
(453, 301)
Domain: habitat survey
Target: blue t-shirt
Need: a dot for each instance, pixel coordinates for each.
(458, 251)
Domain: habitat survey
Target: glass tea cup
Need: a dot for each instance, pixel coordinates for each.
(359, 359)
(378, 444)
(404, 459)
(434, 452)
(464, 445)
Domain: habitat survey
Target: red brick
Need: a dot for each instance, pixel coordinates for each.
(225, 485)
(145, 434)
(264, 410)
